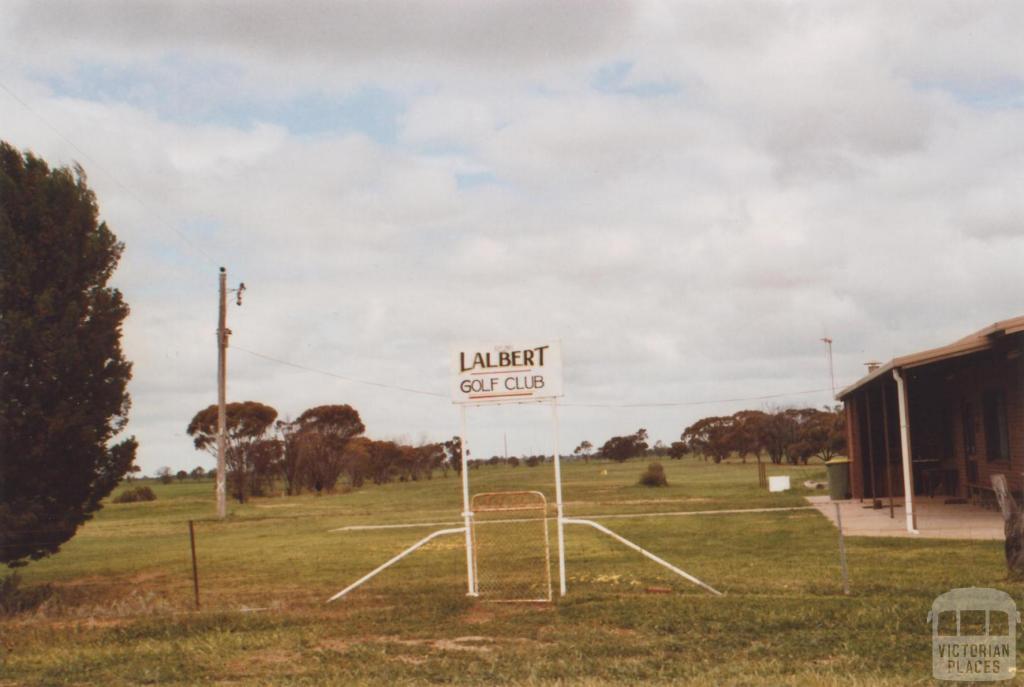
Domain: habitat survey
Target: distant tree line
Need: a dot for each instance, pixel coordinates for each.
(321, 450)
(166, 475)
(791, 435)
(531, 461)
(324, 448)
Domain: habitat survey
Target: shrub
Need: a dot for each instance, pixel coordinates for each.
(135, 495)
(654, 476)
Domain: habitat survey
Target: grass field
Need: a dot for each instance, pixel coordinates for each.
(122, 610)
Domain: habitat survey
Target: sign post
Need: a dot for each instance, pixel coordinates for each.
(467, 512)
(558, 504)
(488, 374)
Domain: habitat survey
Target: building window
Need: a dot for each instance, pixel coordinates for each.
(970, 446)
(997, 435)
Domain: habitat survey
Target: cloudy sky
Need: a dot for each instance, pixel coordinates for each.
(688, 195)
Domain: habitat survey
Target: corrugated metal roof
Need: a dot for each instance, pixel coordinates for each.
(980, 340)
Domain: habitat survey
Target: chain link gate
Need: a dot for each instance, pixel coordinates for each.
(511, 551)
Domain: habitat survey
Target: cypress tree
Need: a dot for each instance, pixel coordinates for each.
(63, 375)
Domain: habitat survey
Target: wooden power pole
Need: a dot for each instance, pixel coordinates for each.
(222, 346)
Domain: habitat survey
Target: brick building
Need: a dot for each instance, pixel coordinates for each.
(941, 421)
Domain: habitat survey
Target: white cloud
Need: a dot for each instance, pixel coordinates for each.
(758, 176)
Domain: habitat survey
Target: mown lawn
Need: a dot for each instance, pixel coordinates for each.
(122, 611)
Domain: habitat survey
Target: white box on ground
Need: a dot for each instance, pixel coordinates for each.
(778, 483)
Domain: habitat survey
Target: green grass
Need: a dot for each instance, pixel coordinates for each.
(122, 612)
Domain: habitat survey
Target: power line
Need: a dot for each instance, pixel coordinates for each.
(397, 387)
(194, 246)
(382, 385)
(678, 404)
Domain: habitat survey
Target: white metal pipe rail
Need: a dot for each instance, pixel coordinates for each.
(381, 568)
(602, 516)
(643, 551)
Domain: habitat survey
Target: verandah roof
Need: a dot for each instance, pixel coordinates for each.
(980, 340)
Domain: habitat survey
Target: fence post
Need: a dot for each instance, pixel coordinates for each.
(195, 568)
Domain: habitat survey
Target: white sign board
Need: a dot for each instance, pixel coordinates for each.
(507, 373)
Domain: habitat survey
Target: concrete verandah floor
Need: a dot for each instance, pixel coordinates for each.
(935, 518)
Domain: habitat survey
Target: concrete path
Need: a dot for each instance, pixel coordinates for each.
(935, 519)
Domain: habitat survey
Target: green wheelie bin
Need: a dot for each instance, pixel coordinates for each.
(838, 478)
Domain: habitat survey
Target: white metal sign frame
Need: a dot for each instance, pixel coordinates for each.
(467, 512)
(505, 365)
(488, 374)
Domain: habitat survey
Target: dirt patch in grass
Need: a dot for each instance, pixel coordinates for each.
(412, 660)
(479, 616)
(259, 662)
(469, 643)
(339, 645)
(483, 613)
